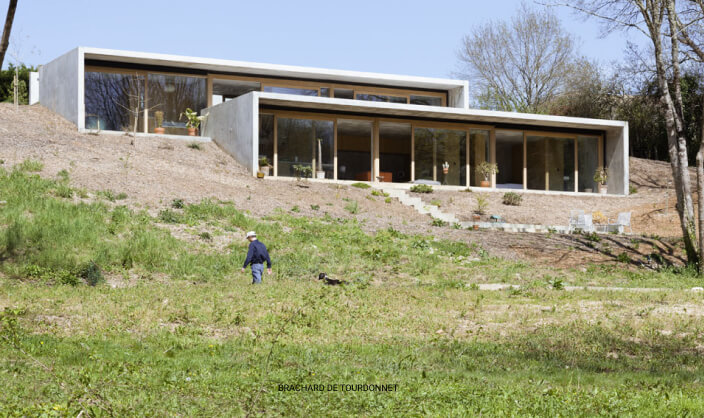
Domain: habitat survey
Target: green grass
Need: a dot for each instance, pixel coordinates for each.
(195, 146)
(185, 334)
(361, 185)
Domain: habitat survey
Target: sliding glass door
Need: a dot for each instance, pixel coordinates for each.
(354, 149)
(441, 155)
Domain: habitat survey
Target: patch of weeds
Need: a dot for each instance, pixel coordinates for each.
(456, 226)
(635, 243)
(467, 190)
(295, 209)
(632, 189)
(170, 217)
(205, 236)
(315, 207)
(436, 202)
(379, 193)
(121, 196)
(91, 273)
(82, 193)
(421, 188)
(64, 191)
(591, 236)
(352, 207)
(623, 257)
(438, 222)
(177, 204)
(30, 166)
(420, 244)
(555, 282)
(512, 199)
(482, 205)
(63, 175)
(195, 145)
(473, 286)
(107, 194)
(361, 185)
(387, 200)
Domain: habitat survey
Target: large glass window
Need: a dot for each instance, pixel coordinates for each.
(441, 155)
(114, 102)
(266, 137)
(225, 89)
(172, 95)
(354, 150)
(298, 145)
(395, 151)
(291, 90)
(536, 163)
(426, 100)
(588, 162)
(559, 156)
(509, 158)
(478, 153)
(381, 98)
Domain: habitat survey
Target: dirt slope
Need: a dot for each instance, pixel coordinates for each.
(154, 171)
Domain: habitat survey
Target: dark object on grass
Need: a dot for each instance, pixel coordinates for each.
(329, 281)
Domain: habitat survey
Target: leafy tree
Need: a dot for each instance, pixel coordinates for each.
(6, 77)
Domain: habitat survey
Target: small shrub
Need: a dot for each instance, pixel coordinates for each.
(387, 200)
(62, 174)
(482, 205)
(623, 258)
(108, 194)
(170, 217)
(30, 165)
(361, 185)
(64, 191)
(352, 207)
(121, 196)
(295, 209)
(512, 199)
(194, 145)
(467, 190)
(205, 235)
(379, 193)
(422, 188)
(632, 189)
(91, 274)
(315, 207)
(456, 226)
(177, 204)
(439, 222)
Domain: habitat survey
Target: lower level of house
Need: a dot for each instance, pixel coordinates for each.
(299, 137)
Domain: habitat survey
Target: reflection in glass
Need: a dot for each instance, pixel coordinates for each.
(426, 100)
(266, 137)
(113, 101)
(478, 153)
(509, 158)
(588, 162)
(344, 93)
(433, 148)
(559, 156)
(535, 146)
(380, 98)
(354, 150)
(172, 95)
(291, 90)
(297, 145)
(395, 151)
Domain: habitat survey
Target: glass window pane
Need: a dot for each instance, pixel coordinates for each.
(478, 153)
(559, 158)
(344, 94)
(266, 138)
(324, 92)
(509, 158)
(426, 100)
(588, 162)
(381, 98)
(436, 149)
(172, 95)
(291, 90)
(354, 150)
(297, 144)
(113, 101)
(535, 146)
(229, 89)
(395, 151)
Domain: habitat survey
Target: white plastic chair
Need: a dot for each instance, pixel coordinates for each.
(622, 221)
(575, 219)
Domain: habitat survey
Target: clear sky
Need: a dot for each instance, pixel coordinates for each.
(414, 37)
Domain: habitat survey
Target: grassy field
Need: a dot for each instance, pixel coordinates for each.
(115, 312)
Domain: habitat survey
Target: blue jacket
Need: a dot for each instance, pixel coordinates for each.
(257, 254)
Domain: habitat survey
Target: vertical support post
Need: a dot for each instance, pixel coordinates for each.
(525, 161)
(209, 89)
(547, 171)
(576, 165)
(276, 148)
(466, 158)
(435, 156)
(413, 154)
(334, 149)
(375, 147)
(492, 154)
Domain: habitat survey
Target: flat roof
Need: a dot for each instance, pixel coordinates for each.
(434, 112)
(274, 70)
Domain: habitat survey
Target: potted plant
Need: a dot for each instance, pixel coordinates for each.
(445, 167)
(319, 173)
(159, 117)
(192, 121)
(601, 176)
(486, 169)
(264, 166)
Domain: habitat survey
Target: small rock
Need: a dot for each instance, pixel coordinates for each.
(698, 289)
(439, 331)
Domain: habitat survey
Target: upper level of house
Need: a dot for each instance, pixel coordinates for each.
(226, 79)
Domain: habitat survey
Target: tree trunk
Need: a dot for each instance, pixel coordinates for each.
(5, 41)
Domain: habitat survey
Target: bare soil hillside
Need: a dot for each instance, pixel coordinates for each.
(155, 171)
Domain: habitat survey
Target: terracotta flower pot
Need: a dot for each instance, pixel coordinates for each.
(260, 175)
(445, 170)
(476, 218)
(475, 227)
(159, 130)
(485, 183)
(191, 131)
(603, 189)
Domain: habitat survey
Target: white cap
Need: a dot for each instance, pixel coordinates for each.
(251, 234)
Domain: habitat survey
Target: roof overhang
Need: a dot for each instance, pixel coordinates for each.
(488, 117)
(272, 70)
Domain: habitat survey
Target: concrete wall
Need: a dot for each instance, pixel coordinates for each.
(61, 86)
(33, 87)
(234, 126)
(616, 154)
(459, 96)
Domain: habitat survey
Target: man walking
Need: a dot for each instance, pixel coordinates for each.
(256, 256)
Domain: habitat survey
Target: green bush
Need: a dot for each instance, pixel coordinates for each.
(512, 199)
(422, 188)
(91, 273)
(170, 217)
(482, 205)
(177, 204)
(438, 222)
(361, 185)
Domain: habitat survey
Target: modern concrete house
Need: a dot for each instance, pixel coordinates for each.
(345, 125)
